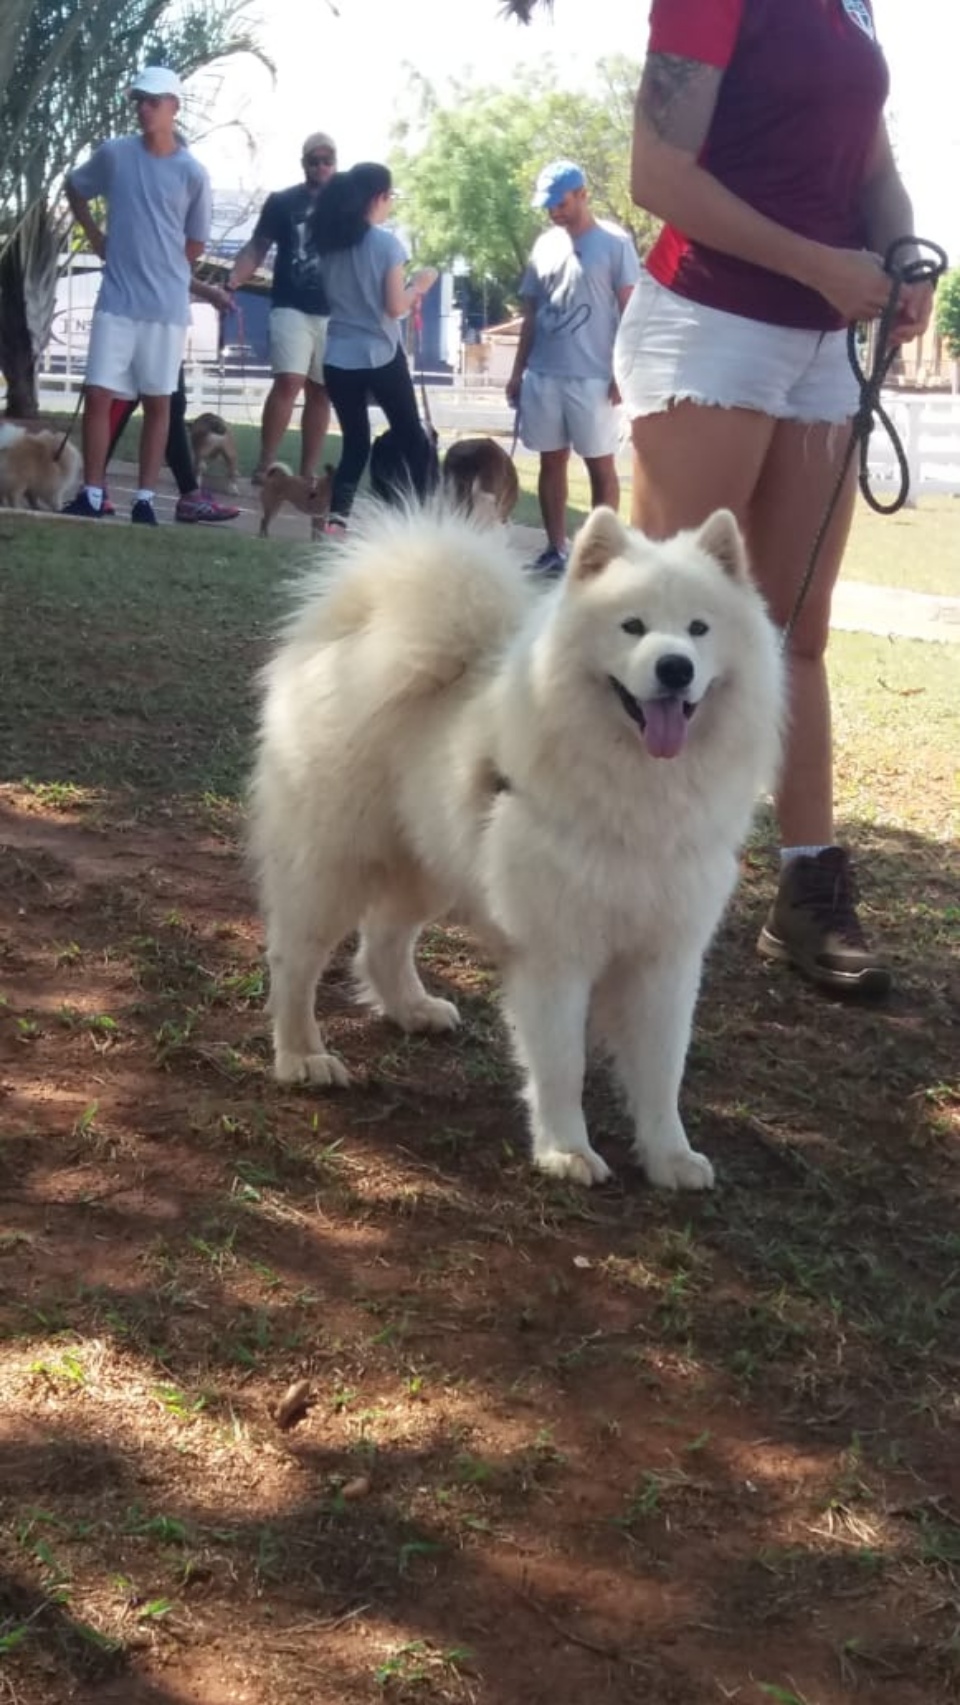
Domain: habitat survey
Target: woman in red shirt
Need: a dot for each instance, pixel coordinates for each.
(759, 140)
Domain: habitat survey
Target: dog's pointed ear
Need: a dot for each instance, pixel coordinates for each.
(721, 538)
(601, 538)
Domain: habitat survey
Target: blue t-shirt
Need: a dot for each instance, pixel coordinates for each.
(573, 284)
(156, 203)
(360, 332)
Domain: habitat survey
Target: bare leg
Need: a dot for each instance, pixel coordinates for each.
(313, 427)
(153, 439)
(548, 1013)
(604, 481)
(277, 411)
(644, 1014)
(691, 460)
(798, 475)
(96, 434)
(553, 496)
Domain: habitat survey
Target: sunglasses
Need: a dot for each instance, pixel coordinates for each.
(137, 100)
(319, 159)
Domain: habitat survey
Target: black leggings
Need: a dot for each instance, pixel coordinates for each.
(391, 387)
(178, 453)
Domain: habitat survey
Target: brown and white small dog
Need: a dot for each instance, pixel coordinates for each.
(211, 436)
(38, 470)
(479, 477)
(311, 497)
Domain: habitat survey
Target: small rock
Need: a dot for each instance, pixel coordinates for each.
(357, 1488)
(294, 1404)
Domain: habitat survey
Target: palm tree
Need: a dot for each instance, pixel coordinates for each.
(63, 78)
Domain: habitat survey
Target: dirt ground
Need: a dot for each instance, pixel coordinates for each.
(558, 1446)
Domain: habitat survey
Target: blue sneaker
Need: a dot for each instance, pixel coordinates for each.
(81, 505)
(550, 563)
(142, 514)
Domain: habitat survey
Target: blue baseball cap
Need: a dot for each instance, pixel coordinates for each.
(556, 181)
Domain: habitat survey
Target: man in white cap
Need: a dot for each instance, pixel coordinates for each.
(158, 223)
(298, 312)
(578, 280)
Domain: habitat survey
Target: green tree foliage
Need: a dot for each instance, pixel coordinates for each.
(64, 92)
(948, 311)
(465, 167)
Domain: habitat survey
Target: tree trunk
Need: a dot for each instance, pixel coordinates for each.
(28, 290)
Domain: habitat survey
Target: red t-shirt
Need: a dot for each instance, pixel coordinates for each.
(804, 84)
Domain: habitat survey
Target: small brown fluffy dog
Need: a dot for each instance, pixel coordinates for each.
(478, 475)
(37, 469)
(211, 436)
(311, 497)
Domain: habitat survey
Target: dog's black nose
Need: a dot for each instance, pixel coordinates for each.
(674, 671)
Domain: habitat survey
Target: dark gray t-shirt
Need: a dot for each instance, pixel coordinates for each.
(155, 204)
(573, 283)
(360, 332)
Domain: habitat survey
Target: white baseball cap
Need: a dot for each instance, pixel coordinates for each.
(157, 80)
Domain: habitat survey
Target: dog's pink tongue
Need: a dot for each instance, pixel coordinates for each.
(666, 727)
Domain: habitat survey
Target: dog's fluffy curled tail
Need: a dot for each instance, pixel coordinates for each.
(418, 597)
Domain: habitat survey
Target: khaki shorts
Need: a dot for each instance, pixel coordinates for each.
(297, 343)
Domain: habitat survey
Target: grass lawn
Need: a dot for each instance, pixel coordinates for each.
(551, 1445)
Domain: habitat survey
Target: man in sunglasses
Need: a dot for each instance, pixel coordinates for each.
(298, 314)
(158, 204)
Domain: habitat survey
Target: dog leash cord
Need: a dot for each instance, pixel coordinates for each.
(924, 268)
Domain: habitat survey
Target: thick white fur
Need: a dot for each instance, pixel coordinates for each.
(439, 735)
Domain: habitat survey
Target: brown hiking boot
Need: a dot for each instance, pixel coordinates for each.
(813, 925)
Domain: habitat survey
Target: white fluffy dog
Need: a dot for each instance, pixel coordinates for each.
(571, 772)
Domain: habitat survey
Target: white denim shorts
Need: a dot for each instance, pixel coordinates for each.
(564, 414)
(670, 350)
(297, 343)
(134, 358)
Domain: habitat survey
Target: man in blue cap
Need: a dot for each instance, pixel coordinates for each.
(578, 281)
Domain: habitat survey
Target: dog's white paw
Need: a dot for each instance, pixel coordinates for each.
(679, 1169)
(430, 1013)
(576, 1166)
(326, 1071)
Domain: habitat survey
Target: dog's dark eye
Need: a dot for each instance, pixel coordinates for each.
(635, 626)
(697, 629)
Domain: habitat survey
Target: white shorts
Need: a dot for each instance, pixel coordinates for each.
(297, 343)
(134, 358)
(563, 414)
(669, 350)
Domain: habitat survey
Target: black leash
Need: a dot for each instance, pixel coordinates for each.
(71, 423)
(922, 269)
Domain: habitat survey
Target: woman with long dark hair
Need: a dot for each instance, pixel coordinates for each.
(362, 266)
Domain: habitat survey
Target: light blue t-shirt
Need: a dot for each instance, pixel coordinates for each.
(360, 332)
(156, 203)
(573, 283)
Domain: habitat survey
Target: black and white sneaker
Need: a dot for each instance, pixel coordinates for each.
(142, 514)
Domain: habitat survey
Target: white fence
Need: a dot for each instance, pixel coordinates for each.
(928, 424)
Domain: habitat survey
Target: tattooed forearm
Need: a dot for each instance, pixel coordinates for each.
(676, 99)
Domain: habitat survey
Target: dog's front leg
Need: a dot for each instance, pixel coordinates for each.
(644, 1016)
(547, 1008)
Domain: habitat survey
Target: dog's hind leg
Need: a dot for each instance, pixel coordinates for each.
(298, 950)
(643, 1015)
(547, 1009)
(385, 966)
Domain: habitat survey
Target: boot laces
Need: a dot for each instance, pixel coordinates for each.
(829, 893)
